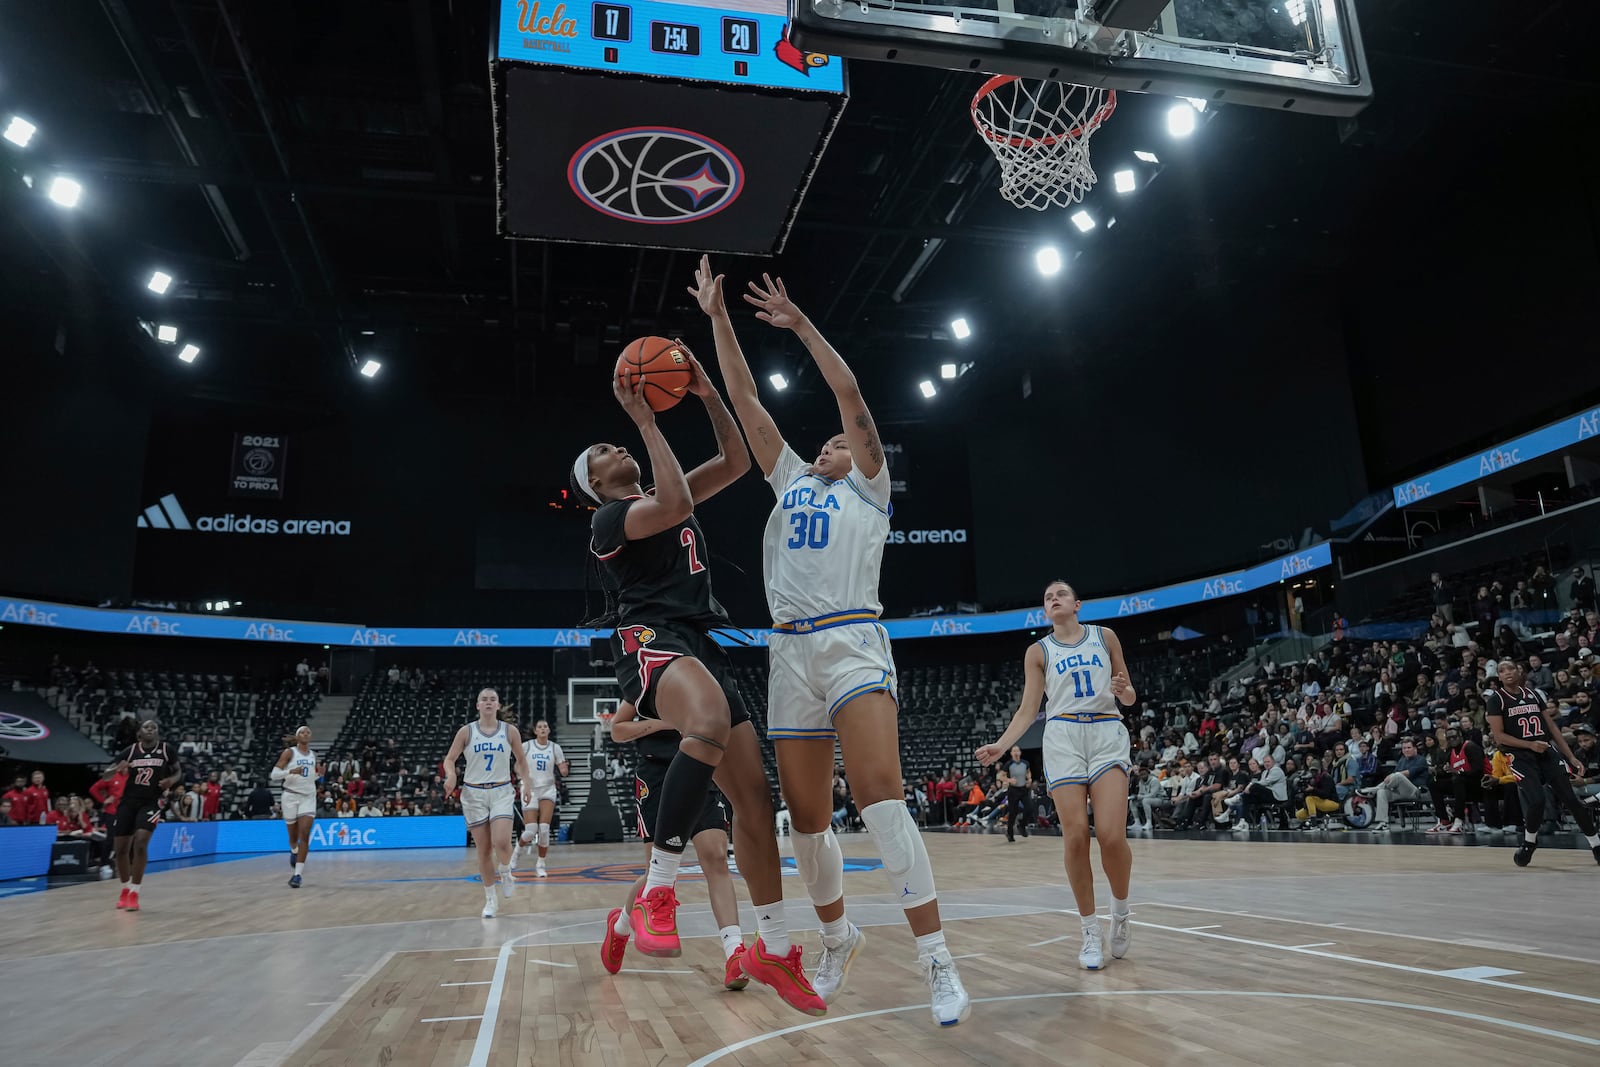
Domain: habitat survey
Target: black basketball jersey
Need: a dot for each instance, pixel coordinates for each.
(661, 578)
(146, 770)
(1522, 710)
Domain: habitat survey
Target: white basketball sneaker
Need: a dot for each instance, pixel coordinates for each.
(491, 905)
(538, 870)
(508, 882)
(834, 964)
(1092, 957)
(950, 1004)
(1121, 934)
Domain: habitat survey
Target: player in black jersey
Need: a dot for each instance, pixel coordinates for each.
(1523, 727)
(658, 745)
(653, 553)
(152, 768)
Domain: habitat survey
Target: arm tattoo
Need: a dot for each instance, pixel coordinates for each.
(723, 426)
(766, 439)
(874, 451)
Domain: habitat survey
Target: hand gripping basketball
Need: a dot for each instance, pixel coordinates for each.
(660, 368)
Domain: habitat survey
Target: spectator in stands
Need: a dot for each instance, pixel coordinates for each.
(6, 804)
(190, 806)
(1588, 752)
(1443, 599)
(230, 777)
(1271, 789)
(61, 817)
(1149, 794)
(210, 797)
(370, 809)
(1406, 783)
(394, 674)
(1365, 765)
(20, 801)
(38, 797)
(1582, 590)
(259, 804)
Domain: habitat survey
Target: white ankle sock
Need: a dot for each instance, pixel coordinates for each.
(663, 869)
(836, 930)
(622, 927)
(732, 938)
(299, 869)
(1593, 839)
(1119, 907)
(1531, 836)
(773, 929)
(932, 946)
(1089, 922)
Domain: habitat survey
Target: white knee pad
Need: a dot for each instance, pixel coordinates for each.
(544, 835)
(821, 865)
(905, 858)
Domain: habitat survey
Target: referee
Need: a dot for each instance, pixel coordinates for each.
(1017, 793)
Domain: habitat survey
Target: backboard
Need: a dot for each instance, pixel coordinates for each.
(1293, 55)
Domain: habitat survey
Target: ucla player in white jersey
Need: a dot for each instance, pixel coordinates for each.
(546, 759)
(492, 748)
(299, 770)
(1080, 671)
(832, 674)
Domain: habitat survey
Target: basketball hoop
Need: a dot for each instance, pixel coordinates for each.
(605, 721)
(1039, 131)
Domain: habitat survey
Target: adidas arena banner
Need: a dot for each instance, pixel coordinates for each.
(168, 514)
(259, 462)
(32, 733)
(234, 628)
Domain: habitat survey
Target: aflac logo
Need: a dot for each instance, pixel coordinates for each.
(1412, 492)
(1498, 459)
(266, 631)
(571, 637)
(1133, 605)
(1297, 565)
(373, 637)
(151, 624)
(476, 637)
(1222, 587)
(1589, 424)
(342, 835)
(182, 842)
(949, 626)
(28, 615)
(1035, 618)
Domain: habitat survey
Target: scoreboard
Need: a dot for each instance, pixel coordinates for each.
(734, 42)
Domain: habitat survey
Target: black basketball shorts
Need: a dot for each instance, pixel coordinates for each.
(643, 653)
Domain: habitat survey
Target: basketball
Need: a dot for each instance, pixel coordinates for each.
(664, 366)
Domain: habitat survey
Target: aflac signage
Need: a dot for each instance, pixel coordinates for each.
(1503, 457)
(29, 615)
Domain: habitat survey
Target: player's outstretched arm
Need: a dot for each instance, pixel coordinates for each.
(758, 426)
(672, 502)
(1032, 694)
(866, 451)
(732, 460)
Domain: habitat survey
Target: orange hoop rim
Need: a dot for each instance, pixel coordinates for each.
(1088, 127)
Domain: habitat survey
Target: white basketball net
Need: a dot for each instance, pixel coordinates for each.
(1039, 131)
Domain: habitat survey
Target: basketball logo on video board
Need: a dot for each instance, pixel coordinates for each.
(656, 175)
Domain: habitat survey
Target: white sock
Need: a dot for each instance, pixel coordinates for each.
(488, 892)
(932, 946)
(1119, 907)
(124, 883)
(1089, 922)
(663, 869)
(135, 887)
(622, 927)
(732, 938)
(1593, 839)
(773, 928)
(513, 864)
(1531, 836)
(836, 930)
(299, 869)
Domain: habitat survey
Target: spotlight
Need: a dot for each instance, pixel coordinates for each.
(779, 382)
(189, 353)
(166, 334)
(927, 389)
(65, 191)
(1195, 102)
(1123, 180)
(1180, 120)
(1083, 221)
(371, 368)
(210, 606)
(962, 331)
(222, 605)
(947, 371)
(1146, 157)
(1296, 10)
(1048, 260)
(159, 282)
(19, 131)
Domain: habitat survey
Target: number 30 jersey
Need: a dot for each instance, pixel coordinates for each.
(1077, 678)
(824, 541)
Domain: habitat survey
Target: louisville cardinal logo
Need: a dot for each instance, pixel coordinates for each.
(634, 638)
(790, 56)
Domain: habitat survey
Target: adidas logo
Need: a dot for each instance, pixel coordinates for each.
(674, 841)
(168, 514)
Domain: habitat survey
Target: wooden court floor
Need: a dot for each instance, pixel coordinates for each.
(1250, 952)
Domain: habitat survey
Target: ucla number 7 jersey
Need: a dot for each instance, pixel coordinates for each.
(1077, 678)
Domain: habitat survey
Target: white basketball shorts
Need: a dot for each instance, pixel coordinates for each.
(296, 805)
(483, 805)
(546, 793)
(814, 672)
(1078, 753)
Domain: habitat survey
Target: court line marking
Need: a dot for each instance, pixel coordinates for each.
(447, 985)
(1213, 926)
(1527, 1028)
(491, 1009)
(318, 1003)
(315, 1025)
(1314, 944)
(969, 956)
(1344, 929)
(450, 1019)
(654, 970)
(1385, 964)
(547, 963)
(475, 959)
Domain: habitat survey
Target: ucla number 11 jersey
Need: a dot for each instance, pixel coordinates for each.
(1077, 678)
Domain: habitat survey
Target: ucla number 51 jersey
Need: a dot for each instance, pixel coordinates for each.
(1077, 678)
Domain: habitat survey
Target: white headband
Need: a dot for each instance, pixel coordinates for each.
(580, 473)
